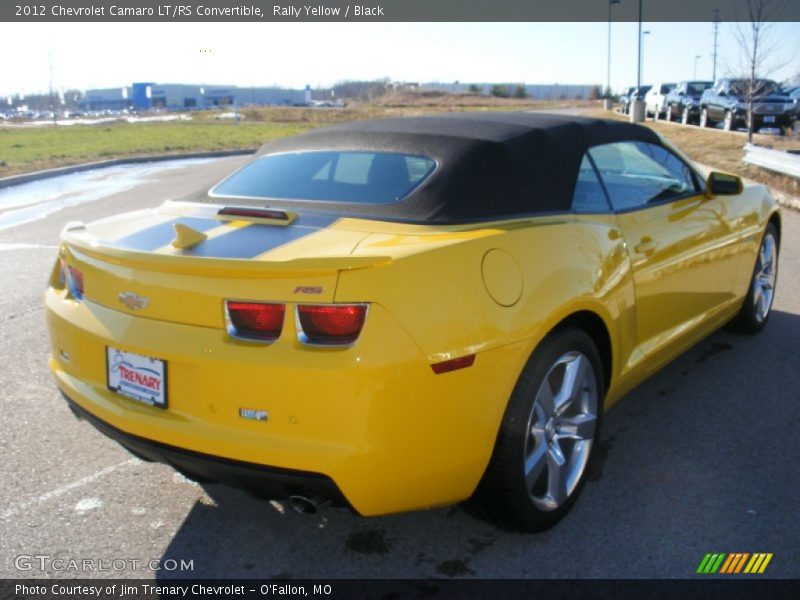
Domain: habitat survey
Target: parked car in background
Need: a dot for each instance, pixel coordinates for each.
(625, 99)
(654, 100)
(637, 94)
(794, 95)
(683, 102)
(727, 102)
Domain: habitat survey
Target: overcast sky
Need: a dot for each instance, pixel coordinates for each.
(95, 55)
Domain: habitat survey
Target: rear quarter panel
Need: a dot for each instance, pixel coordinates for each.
(435, 287)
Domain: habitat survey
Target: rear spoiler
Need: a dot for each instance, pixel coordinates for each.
(80, 240)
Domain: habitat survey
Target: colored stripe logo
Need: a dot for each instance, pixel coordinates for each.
(732, 563)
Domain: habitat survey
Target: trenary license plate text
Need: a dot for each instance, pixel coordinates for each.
(141, 378)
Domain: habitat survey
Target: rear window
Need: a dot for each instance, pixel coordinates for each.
(332, 176)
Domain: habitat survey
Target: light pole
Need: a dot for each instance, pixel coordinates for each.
(608, 71)
(696, 58)
(637, 105)
(639, 51)
(641, 54)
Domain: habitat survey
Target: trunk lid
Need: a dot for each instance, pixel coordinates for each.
(132, 257)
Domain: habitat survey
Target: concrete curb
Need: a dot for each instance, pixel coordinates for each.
(786, 200)
(37, 175)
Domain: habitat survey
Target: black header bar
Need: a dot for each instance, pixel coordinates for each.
(384, 10)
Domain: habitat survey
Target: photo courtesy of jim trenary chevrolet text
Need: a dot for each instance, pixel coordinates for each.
(399, 298)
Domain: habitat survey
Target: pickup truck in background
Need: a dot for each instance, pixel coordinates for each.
(655, 97)
(727, 102)
(625, 98)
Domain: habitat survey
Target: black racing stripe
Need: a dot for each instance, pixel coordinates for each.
(252, 240)
(153, 238)
(315, 220)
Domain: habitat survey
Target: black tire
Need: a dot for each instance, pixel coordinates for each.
(750, 320)
(503, 497)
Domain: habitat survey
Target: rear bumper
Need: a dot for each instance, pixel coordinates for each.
(266, 482)
(373, 419)
(766, 119)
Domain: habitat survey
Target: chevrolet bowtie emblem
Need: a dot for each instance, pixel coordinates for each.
(133, 301)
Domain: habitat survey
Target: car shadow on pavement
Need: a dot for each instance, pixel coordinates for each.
(675, 477)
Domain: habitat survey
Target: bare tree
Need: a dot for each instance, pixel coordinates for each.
(760, 51)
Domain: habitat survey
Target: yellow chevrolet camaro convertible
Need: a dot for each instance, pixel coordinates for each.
(407, 313)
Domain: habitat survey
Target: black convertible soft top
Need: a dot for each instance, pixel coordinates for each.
(491, 165)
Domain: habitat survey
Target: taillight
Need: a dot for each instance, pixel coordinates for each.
(330, 324)
(254, 213)
(73, 278)
(255, 320)
(62, 278)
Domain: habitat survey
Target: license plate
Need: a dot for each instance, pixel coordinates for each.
(769, 119)
(138, 377)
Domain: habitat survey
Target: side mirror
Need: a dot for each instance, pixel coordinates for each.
(681, 93)
(722, 93)
(723, 184)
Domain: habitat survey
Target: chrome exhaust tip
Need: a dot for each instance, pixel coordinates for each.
(305, 506)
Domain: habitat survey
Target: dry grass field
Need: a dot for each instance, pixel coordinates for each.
(25, 149)
(44, 146)
(721, 149)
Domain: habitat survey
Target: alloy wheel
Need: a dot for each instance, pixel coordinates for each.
(764, 280)
(561, 430)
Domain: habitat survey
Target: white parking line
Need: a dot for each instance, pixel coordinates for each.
(60, 491)
(5, 247)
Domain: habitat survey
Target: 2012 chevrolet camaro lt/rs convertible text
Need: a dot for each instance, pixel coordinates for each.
(407, 313)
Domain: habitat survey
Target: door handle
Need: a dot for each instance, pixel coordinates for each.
(646, 246)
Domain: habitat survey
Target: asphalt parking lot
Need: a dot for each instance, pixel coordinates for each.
(701, 458)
